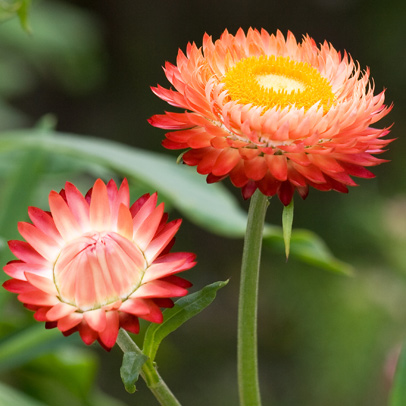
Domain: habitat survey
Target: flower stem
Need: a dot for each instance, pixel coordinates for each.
(247, 307)
(149, 372)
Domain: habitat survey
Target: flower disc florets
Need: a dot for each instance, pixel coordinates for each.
(94, 264)
(273, 114)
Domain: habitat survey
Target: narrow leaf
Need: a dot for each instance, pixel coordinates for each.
(131, 368)
(184, 309)
(23, 15)
(398, 393)
(210, 206)
(18, 189)
(287, 221)
(307, 247)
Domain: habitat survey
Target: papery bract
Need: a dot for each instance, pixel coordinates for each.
(273, 114)
(94, 264)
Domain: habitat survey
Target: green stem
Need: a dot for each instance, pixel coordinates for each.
(247, 306)
(149, 372)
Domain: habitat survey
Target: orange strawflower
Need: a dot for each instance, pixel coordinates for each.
(273, 114)
(94, 264)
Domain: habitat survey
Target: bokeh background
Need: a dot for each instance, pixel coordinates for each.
(324, 338)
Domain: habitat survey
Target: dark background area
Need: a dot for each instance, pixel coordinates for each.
(324, 339)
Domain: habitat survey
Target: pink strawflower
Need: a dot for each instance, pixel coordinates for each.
(273, 114)
(94, 264)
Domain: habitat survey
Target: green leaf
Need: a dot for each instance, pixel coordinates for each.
(11, 396)
(23, 15)
(17, 190)
(398, 392)
(308, 247)
(184, 309)
(11, 8)
(131, 368)
(287, 221)
(209, 206)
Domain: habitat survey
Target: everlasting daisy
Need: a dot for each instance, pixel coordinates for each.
(94, 264)
(273, 114)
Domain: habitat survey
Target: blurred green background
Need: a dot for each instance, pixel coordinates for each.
(324, 338)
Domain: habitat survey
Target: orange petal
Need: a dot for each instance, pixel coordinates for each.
(277, 165)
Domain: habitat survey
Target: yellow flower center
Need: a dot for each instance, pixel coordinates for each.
(269, 81)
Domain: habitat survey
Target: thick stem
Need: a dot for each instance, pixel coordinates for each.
(149, 373)
(247, 306)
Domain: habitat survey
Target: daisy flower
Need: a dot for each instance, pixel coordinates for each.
(94, 263)
(273, 114)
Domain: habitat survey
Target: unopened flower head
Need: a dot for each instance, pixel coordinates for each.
(94, 264)
(273, 114)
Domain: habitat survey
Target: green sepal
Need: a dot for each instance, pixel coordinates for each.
(287, 221)
(184, 309)
(131, 368)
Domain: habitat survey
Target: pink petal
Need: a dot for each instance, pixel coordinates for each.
(44, 284)
(161, 240)
(146, 209)
(64, 220)
(99, 207)
(109, 335)
(145, 233)
(60, 311)
(96, 319)
(44, 222)
(156, 289)
(87, 334)
(167, 267)
(17, 269)
(78, 206)
(122, 197)
(38, 298)
(44, 245)
(143, 308)
(68, 322)
(18, 286)
(26, 252)
(125, 222)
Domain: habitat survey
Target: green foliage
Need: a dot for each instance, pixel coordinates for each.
(131, 368)
(398, 393)
(12, 8)
(287, 221)
(307, 247)
(184, 309)
(28, 344)
(216, 211)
